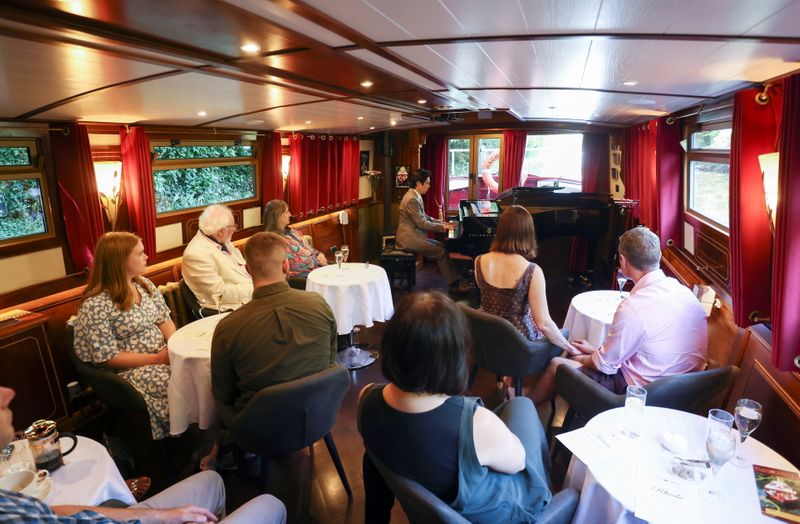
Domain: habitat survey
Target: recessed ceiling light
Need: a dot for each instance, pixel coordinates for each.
(630, 83)
(366, 83)
(251, 47)
(360, 118)
(393, 122)
(372, 127)
(201, 113)
(422, 101)
(642, 102)
(254, 122)
(308, 121)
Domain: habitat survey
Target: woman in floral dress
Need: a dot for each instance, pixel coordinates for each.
(124, 324)
(303, 258)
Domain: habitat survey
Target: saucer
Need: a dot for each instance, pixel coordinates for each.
(41, 490)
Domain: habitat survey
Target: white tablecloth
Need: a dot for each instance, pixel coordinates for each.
(607, 468)
(357, 295)
(590, 315)
(189, 391)
(87, 478)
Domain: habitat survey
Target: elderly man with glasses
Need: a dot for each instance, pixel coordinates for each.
(213, 267)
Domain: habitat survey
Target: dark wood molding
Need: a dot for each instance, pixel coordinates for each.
(36, 291)
(106, 153)
(611, 91)
(23, 247)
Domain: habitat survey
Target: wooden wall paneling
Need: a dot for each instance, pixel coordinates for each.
(777, 391)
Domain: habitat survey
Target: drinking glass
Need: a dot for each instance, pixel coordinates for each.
(339, 256)
(621, 281)
(747, 416)
(720, 445)
(345, 251)
(635, 398)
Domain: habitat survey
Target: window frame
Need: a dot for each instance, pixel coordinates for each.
(35, 170)
(473, 172)
(178, 215)
(716, 156)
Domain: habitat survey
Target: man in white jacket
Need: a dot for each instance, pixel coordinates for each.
(213, 267)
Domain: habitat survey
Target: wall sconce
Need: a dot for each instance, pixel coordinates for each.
(107, 175)
(769, 171)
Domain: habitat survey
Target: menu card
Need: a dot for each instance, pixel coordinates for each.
(661, 498)
(778, 492)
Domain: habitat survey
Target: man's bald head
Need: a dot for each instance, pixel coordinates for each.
(265, 254)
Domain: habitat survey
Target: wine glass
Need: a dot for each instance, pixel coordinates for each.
(720, 445)
(345, 252)
(747, 416)
(339, 256)
(621, 281)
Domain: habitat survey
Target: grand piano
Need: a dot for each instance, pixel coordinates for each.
(593, 216)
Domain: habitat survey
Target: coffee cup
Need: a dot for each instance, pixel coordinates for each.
(23, 481)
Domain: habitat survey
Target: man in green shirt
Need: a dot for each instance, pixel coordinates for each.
(282, 334)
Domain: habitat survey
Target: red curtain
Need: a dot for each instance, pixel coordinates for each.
(269, 151)
(638, 171)
(512, 157)
(323, 174)
(786, 258)
(594, 179)
(137, 174)
(77, 188)
(669, 180)
(434, 158)
(755, 132)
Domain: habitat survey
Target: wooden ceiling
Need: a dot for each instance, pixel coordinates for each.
(181, 62)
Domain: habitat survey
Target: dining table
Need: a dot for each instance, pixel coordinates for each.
(626, 480)
(591, 313)
(189, 394)
(88, 477)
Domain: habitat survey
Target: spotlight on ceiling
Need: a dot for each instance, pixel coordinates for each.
(366, 83)
(251, 47)
(308, 122)
(630, 83)
(422, 101)
(360, 118)
(201, 113)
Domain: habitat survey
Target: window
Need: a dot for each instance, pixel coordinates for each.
(24, 208)
(478, 154)
(707, 177)
(553, 160)
(187, 176)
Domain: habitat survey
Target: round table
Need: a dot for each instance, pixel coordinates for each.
(189, 391)
(358, 294)
(612, 476)
(87, 478)
(590, 315)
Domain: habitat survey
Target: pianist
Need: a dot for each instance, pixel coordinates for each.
(414, 225)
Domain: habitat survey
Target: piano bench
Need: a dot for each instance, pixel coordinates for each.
(400, 267)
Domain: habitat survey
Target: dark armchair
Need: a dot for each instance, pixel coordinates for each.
(290, 416)
(499, 348)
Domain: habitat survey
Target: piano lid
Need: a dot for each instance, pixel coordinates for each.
(538, 199)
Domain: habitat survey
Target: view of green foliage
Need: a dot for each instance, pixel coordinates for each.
(458, 161)
(184, 152)
(714, 139)
(15, 156)
(21, 208)
(709, 190)
(186, 188)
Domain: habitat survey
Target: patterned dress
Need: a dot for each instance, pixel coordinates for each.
(102, 331)
(302, 259)
(510, 303)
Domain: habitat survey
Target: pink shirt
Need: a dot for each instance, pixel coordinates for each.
(659, 330)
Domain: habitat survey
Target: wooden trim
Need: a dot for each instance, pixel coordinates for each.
(109, 87)
(555, 88)
(106, 153)
(35, 291)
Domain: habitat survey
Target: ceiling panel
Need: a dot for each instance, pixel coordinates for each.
(376, 19)
(532, 16)
(541, 63)
(457, 64)
(581, 105)
(724, 17)
(29, 69)
(393, 68)
(782, 23)
(176, 101)
(641, 16)
(324, 117)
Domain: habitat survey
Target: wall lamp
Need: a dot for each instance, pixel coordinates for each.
(769, 171)
(108, 186)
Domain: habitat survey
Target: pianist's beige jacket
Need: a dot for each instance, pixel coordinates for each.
(218, 279)
(414, 224)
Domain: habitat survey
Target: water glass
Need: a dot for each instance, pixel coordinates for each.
(345, 251)
(747, 416)
(635, 398)
(720, 445)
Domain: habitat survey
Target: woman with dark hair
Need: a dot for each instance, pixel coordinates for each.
(302, 258)
(489, 468)
(123, 323)
(513, 287)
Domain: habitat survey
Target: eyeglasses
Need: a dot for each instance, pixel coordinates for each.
(232, 226)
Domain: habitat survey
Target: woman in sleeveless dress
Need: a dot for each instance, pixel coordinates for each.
(489, 467)
(512, 286)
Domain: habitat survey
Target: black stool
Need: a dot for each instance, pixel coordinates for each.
(400, 267)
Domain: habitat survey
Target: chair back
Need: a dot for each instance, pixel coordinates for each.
(190, 300)
(498, 347)
(109, 387)
(178, 310)
(286, 417)
(691, 392)
(419, 504)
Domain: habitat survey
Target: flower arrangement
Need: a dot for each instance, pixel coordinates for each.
(374, 182)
